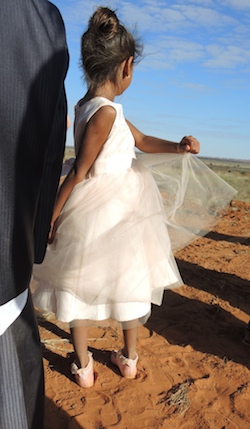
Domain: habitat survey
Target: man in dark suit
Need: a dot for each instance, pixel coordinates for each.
(33, 112)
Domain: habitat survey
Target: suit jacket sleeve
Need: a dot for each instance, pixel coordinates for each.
(52, 162)
(50, 180)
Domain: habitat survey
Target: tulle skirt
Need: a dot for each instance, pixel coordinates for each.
(113, 251)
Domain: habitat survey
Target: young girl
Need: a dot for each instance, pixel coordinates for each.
(109, 252)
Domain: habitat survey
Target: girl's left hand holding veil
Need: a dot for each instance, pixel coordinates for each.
(189, 144)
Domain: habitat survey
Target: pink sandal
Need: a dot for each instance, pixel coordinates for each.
(126, 366)
(84, 376)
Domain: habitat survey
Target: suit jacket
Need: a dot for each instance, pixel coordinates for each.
(33, 111)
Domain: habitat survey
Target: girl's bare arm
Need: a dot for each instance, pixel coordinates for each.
(95, 135)
(151, 144)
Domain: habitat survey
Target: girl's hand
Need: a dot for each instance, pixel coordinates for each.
(52, 232)
(189, 144)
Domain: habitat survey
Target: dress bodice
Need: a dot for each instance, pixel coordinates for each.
(118, 151)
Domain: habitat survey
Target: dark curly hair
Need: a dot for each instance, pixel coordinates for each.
(104, 46)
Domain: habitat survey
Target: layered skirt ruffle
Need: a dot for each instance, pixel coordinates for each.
(113, 251)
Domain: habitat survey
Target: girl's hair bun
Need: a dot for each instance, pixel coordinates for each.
(104, 22)
(104, 46)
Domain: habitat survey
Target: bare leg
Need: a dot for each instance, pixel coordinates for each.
(79, 334)
(83, 368)
(126, 359)
(130, 339)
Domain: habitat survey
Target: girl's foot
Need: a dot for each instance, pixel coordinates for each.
(84, 376)
(126, 366)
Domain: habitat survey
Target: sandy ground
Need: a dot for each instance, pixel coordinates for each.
(193, 369)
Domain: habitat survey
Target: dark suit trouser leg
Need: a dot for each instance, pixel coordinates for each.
(21, 374)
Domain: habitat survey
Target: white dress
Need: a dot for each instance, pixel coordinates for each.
(112, 255)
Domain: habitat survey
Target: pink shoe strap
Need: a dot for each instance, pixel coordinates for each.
(126, 361)
(81, 371)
